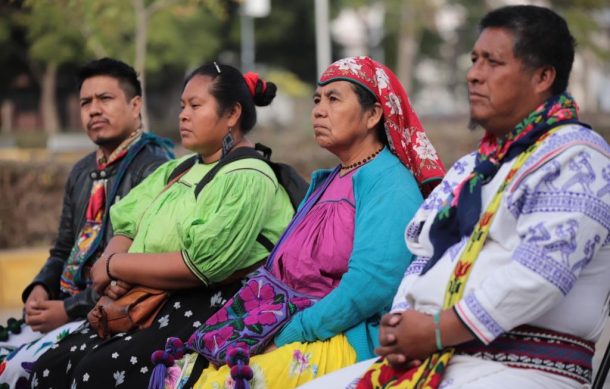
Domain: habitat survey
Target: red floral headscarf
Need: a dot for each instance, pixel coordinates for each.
(406, 136)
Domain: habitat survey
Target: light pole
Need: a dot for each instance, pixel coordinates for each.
(323, 49)
(250, 9)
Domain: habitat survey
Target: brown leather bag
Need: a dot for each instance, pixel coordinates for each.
(135, 309)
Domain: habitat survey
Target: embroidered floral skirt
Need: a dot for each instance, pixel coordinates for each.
(84, 360)
(17, 358)
(284, 368)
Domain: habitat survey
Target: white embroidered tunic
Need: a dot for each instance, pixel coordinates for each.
(546, 261)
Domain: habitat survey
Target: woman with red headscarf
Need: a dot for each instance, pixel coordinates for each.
(345, 246)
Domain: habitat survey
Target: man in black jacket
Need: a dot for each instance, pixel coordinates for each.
(59, 297)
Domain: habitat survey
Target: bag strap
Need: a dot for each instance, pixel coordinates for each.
(236, 155)
(183, 167)
(123, 167)
(463, 267)
(302, 212)
(265, 242)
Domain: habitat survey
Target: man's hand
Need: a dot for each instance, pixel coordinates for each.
(386, 329)
(116, 289)
(387, 339)
(47, 315)
(38, 293)
(99, 275)
(408, 340)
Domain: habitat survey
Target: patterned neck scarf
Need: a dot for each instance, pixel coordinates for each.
(460, 213)
(94, 217)
(406, 136)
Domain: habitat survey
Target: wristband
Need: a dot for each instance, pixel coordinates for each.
(437, 330)
(108, 258)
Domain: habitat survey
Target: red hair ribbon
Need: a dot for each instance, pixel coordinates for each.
(252, 79)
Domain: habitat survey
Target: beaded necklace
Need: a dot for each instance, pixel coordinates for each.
(361, 162)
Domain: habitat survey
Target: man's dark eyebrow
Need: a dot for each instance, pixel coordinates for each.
(96, 95)
(103, 94)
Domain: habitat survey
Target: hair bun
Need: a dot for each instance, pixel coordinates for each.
(262, 92)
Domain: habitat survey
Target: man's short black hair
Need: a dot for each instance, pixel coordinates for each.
(541, 38)
(125, 74)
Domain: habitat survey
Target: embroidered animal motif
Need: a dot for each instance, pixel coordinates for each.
(460, 166)
(567, 244)
(537, 233)
(589, 251)
(606, 188)
(433, 202)
(584, 178)
(551, 172)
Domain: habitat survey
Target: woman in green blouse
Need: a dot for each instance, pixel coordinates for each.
(197, 246)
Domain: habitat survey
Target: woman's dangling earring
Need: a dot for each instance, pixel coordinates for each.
(227, 143)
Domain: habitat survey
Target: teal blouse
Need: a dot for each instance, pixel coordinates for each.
(215, 232)
(387, 197)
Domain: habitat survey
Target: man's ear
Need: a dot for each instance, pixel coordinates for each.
(544, 78)
(136, 106)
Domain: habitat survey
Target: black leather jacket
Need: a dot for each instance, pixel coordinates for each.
(155, 151)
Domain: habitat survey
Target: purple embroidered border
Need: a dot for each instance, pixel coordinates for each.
(575, 134)
(482, 316)
(534, 258)
(402, 306)
(413, 230)
(567, 202)
(417, 265)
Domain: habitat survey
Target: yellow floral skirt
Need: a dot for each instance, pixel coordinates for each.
(287, 367)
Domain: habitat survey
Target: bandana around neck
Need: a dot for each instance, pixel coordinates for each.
(406, 136)
(94, 217)
(460, 213)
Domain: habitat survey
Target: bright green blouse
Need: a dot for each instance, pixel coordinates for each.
(215, 232)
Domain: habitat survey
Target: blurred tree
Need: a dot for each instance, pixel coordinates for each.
(13, 47)
(412, 32)
(52, 42)
(148, 34)
(13, 59)
(284, 39)
(406, 22)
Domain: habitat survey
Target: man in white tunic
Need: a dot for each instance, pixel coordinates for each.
(536, 298)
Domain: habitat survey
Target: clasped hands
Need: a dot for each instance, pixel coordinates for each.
(43, 314)
(406, 339)
(102, 283)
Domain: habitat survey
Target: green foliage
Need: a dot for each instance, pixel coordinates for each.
(182, 36)
(584, 27)
(288, 83)
(180, 32)
(5, 31)
(50, 33)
